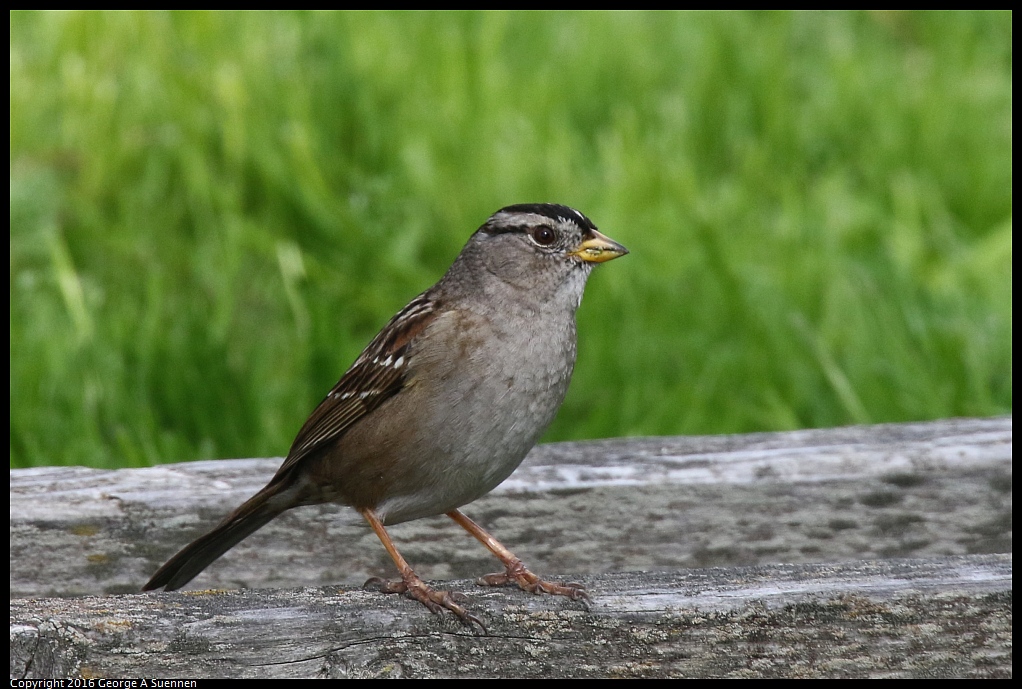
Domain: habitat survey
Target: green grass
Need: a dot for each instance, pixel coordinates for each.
(211, 214)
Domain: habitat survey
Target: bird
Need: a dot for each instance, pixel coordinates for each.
(443, 404)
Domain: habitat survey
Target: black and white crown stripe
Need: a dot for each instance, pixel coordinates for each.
(509, 219)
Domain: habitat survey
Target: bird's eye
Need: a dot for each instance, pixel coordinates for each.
(543, 235)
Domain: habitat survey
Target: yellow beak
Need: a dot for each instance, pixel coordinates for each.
(598, 248)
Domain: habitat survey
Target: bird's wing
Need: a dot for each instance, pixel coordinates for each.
(378, 374)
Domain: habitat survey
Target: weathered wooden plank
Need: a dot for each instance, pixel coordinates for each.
(575, 511)
(900, 618)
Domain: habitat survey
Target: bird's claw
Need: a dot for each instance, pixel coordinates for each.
(435, 601)
(527, 581)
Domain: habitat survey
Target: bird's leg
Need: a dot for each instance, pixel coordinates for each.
(515, 571)
(410, 584)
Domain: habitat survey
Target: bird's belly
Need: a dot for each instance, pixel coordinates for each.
(466, 445)
(464, 451)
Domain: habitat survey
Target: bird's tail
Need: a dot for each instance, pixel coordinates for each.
(238, 525)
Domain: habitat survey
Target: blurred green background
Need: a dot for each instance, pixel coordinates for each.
(212, 213)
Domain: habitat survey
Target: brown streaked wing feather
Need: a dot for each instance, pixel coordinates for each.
(378, 374)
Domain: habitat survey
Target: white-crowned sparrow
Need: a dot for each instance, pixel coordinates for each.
(444, 403)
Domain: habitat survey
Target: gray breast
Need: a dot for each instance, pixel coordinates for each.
(487, 393)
